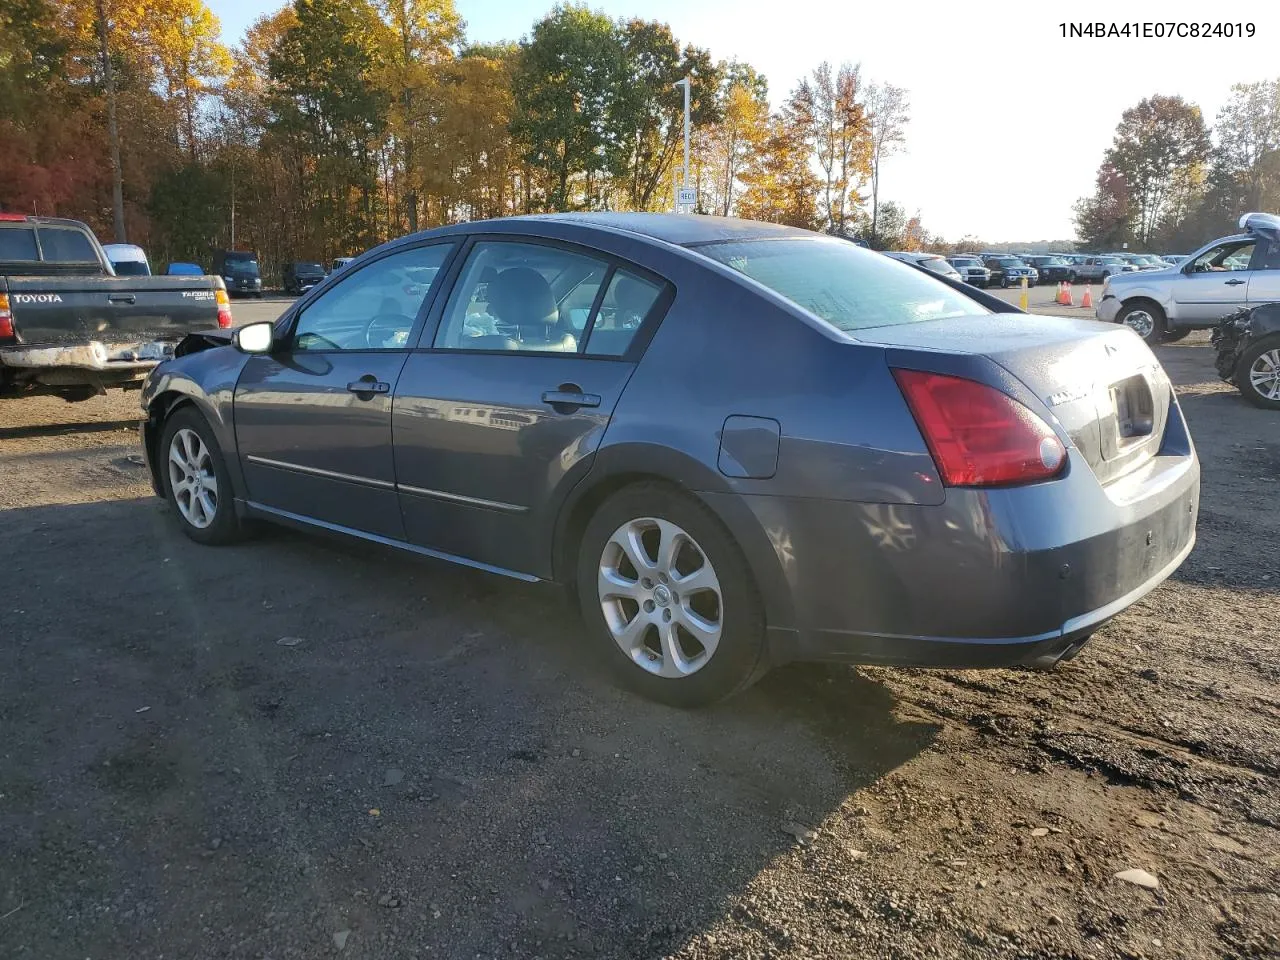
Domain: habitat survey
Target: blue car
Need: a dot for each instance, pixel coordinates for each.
(184, 270)
(737, 443)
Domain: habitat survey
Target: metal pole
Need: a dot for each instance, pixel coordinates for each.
(686, 132)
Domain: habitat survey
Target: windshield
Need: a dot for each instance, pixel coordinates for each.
(938, 265)
(846, 286)
(244, 264)
(1010, 262)
(965, 262)
(307, 268)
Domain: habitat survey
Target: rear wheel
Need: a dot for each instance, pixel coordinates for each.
(1144, 318)
(196, 482)
(1258, 374)
(668, 599)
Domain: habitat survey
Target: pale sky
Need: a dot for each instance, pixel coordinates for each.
(1008, 119)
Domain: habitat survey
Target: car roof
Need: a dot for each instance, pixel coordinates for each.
(680, 229)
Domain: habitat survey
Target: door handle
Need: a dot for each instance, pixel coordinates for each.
(368, 384)
(122, 298)
(1233, 283)
(569, 397)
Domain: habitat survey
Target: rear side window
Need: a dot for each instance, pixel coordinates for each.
(18, 244)
(62, 245)
(626, 304)
(848, 287)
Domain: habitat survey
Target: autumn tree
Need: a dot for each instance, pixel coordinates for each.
(888, 111)
(183, 36)
(780, 185)
(569, 91)
(1157, 147)
(840, 132)
(743, 126)
(1103, 219)
(1248, 141)
(421, 37)
(649, 116)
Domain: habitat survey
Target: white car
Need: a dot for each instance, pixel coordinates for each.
(1218, 279)
(127, 259)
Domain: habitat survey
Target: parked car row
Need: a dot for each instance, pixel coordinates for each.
(239, 269)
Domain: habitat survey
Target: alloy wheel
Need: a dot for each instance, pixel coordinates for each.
(1140, 322)
(192, 478)
(661, 597)
(1264, 374)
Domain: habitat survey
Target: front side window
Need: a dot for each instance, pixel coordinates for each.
(521, 296)
(65, 245)
(850, 288)
(1224, 257)
(375, 307)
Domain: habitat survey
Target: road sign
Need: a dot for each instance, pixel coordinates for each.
(687, 196)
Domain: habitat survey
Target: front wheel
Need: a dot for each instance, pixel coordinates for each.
(1004, 283)
(1144, 318)
(196, 482)
(1258, 374)
(668, 598)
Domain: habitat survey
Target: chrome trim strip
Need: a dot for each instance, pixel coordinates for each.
(459, 498)
(317, 472)
(387, 541)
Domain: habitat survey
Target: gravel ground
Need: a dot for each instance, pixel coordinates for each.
(294, 748)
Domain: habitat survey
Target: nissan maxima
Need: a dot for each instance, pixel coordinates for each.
(737, 443)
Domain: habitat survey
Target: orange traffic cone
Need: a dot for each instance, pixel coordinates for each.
(1059, 298)
(1066, 296)
(1087, 300)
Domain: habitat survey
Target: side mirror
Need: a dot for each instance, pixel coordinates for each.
(255, 337)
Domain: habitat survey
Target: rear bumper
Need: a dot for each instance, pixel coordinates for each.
(988, 578)
(85, 364)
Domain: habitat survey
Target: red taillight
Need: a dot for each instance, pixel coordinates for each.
(6, 318)
(224, 309)
(980, 437)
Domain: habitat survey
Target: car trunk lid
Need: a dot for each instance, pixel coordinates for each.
(1101, 381)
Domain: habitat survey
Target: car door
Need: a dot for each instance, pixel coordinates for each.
(1264, 273)
(508, 397)
(313, 418)
(1215, 283)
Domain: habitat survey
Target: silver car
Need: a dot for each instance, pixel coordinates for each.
(1218, 279)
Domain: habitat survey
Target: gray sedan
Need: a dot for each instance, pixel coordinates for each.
(738, 443)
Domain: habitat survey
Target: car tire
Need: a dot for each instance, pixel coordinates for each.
(1145, 318)
(1072, 278)
(628, 627)
(188, 452)
(1258, 373)
(1004, 283)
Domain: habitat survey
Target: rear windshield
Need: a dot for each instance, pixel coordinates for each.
(66, 245)
(130, 268)
(848, 287)
(18, 244)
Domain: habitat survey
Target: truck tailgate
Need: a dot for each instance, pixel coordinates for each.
(67, 310)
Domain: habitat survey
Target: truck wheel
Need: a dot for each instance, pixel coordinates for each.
(1004, 283)
(1145, 318)
(1258, 374)
(196, 482)
(668, 599)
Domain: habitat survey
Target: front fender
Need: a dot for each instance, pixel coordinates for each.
(1162, 294)
(205, 380)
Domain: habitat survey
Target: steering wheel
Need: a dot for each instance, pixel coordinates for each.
(383, 327)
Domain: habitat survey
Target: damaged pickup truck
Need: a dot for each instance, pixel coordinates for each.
(69, 326)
